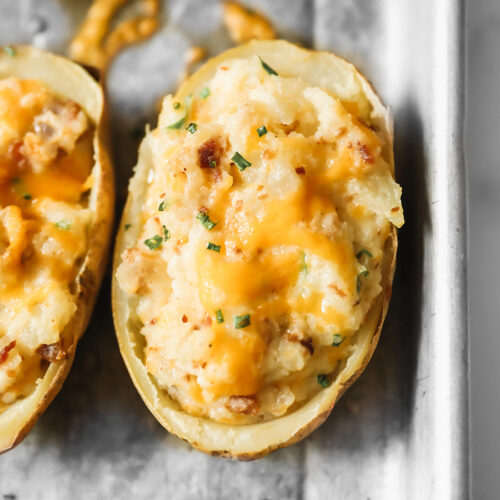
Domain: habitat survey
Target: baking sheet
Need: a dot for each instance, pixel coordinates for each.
(401, 432)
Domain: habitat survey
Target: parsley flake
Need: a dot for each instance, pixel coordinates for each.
(65, 225)
(154, 242)
(337, 339)
(219, 317)
(364, 251)
(241, 321)
(127, 226)
(262, 131)
(213, 246)
(240, 161)
(268, 68)
(166, 232)
(178, 124)
(162, 206)
(205, 221)
(192, 127)
(10, 51)
(323, 380)
(205, 93)
(362, 274)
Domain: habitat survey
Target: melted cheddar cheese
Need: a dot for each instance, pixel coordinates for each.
(46, 156)
(259, 249)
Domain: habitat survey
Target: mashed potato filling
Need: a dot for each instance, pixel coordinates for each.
(46, 156)
(259, 250)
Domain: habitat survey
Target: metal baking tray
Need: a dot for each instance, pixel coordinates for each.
(401, 432)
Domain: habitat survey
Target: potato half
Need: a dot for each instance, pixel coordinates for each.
(254, 440)
(67, 80)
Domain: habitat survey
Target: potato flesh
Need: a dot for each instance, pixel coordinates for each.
(45, 159)
(295, 214)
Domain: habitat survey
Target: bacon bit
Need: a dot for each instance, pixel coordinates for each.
(210, 152)
(196, 327)
(153, 321)
(395, 209)
(337, 289)
(51, 352)
(207, 321)
(204, 364)
(16, 155)
(308, 344)
(184, 318)
(365, 154)
(4, 352)
(300, 170)
(357, 303)
(247, 405)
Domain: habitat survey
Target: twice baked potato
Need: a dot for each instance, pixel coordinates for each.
(56, 214)
(256, 252)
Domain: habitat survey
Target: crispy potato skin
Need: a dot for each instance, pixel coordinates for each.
(92, 271)
(376, 315)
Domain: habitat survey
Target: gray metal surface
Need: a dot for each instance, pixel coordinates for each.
(401, 432)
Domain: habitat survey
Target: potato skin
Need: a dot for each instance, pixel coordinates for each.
(226, 440)
(72, 81)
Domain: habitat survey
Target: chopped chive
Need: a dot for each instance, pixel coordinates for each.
(27, 196)
(154, 242)
(262, 131)
(240, 161)
(241, 321)
(192, 127)
(362, 274)
(10, 51)
(65, 225)
(337, 339)
(205, 221)
(15, 180)
(364, 251)
(213, 246)
(268, 68)
(178, 124)
(166, 233)
(127, 226)
(162, 206)
(176, 105)
(212, 163)
(219, 317)
(205, 93)
(303, 263)
(323, 380)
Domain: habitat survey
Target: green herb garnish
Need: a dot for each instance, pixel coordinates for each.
(268, 68)
(303, 263)
(176, 105)
(337, 339)
(127, 226)
(154, 242)
(166, 233)
(162, 206)
(10, 51)
(205, 93)
(364, 251)
(65, 225)
(205, 221)
(362, 274)
(213, 246)
(27, 196)
(323, 380)
(240, 161)
(219, 317)
(241, 321)
(212, 163)
(262, 131)
(192, 127)
(178, 124)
